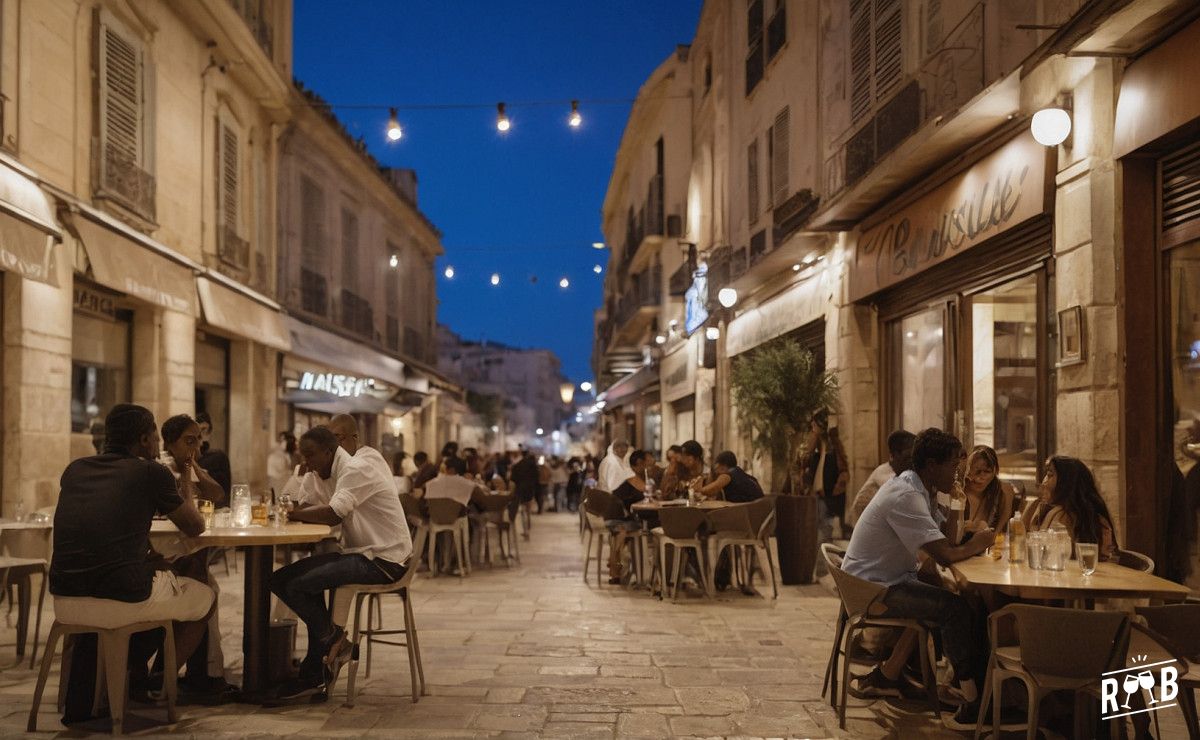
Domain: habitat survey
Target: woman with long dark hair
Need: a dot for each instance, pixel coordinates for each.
(989, 500)
(1068, 496)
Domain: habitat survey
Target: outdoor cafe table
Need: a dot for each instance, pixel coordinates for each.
(1110, 581)
(260, 560)
(649, 506)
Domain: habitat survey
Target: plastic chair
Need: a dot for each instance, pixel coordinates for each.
(863, 604)
(1177, 624)
(26, 553)
(745, 527)
(1135, 560)
(497, 518)
(112, 665)
(372, 594)
(682, 527)
(599, 508)
(1045, 662)
(447, 515)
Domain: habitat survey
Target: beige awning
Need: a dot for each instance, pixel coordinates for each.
(120, 263)
(316, 344)
(239, 314)
(28, 229)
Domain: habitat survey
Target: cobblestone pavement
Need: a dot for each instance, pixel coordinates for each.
(532, 651)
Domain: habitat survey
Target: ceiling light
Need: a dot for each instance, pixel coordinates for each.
(727, 297)
(502, 122)
(1051, 126)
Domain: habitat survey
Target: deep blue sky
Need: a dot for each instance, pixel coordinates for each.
(522, 204)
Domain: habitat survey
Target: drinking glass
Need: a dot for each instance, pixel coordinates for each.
(282, 506)
(259, 511)
(240, 499)
(1088, 553)
(1056, 551)
(1035, 544)
(206, 510)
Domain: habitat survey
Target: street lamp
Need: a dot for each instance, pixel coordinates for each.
(502, 122)
(575, 119)
(394, 132)
(539, 431)
(567, 392)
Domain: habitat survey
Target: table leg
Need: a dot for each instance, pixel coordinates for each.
(256, 624)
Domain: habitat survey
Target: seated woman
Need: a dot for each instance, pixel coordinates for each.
(731, 482)
(1068, 496)
(989, 501)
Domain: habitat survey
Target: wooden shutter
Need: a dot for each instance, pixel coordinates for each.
(888, 42)
(312, 225)
(1181, 195)
(779, 157)
(122, 95)
(752, 180)
(349, 250)
(228, 176)
(860, 59)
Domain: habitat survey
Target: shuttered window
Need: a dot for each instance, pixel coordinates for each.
(752, 180)
(349, 250)
(780, 135)
(889, 69)
(228, 180)
(1181, 194)
(860, 58)
(122, 93)
(312, 225)
(876, 53)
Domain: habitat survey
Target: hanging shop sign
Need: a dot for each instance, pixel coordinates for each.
(677, 371)
(696, 300)
(1001, 191)
(342, 386)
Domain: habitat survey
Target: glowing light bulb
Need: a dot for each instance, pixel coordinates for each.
(449, 272)
(660, 339)
(502, 122)
(712, 333)
(394, 261)
(575, 119)
(495, 278)
(585, 386)
(540, 431)
(727, 297)
(597, 245)
(394, 132)
(796, 267)
(1051, 126)
(597, 269)
(564, 283)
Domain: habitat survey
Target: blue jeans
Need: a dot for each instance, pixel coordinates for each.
(302, 586)
(964, 633)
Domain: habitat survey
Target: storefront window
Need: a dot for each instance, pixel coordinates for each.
(1004, 386)
(99, 374)
(653, 425)
(212, 386)
(1184, 319)
(920, 386)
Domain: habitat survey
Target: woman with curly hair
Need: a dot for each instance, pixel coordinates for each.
(989, 501)
(1068, 496)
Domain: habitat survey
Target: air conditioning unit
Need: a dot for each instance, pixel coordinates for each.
(674, 226)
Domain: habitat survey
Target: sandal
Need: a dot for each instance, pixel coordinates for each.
(339, 655)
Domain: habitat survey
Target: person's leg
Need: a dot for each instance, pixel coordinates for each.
(962, 638)
(619, 536)
(901, 651)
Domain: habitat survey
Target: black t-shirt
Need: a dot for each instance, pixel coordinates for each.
(102, 526)
(216, 462)
(628, 494)
(743, 487)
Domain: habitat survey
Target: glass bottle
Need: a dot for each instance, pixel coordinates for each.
(1016, 539)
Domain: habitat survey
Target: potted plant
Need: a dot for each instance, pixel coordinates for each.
(778, 388)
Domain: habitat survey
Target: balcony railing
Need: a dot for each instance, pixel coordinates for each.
(122, 179)
(357, 315)
(253, 13)
(314, 292)
(646, 291)
(412, 343)
(233, 250)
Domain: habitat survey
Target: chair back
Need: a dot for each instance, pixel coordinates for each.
(762, 516)
(494, 502)
(1178, 623)
(859, 597)
(731, 521)
(412, 506)
(682, 522)
(605, 505)
(27, 542)
(1135, 560)
(1098, 640)
(445, 510)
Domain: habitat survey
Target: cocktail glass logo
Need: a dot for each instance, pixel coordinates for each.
(1139, 676)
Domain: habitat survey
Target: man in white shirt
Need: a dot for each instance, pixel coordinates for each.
(900, 444)
(614, 468)
(453, 484)
(375, 545)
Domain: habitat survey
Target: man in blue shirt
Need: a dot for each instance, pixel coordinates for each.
(901, 522)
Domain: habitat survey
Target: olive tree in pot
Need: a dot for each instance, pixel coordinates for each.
(777, 389)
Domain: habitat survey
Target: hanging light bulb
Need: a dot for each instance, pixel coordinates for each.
(575, 119)
(597, 245)
(449, 272)
(597, 269)
(495, 278)
(394, 261)
(727, 297)
(394, 132)
(502, 122)
(564, 283)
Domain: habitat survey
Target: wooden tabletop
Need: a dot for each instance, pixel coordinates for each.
(1109, 581)
(25, 525)
(292, 534)
(656, 505)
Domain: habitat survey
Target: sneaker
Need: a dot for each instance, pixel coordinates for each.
(964, 718)
(298, 690)
(875, 685)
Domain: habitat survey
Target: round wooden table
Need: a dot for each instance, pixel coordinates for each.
(659, 505)
(1110, 581)
(259, 543)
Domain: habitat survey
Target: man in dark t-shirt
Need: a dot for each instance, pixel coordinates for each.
(100, 574)
(214, 460)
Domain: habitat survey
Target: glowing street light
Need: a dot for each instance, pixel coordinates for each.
(727, 297)
(597, 269)
(585, 386)
(575, 119)
(1051, 126)
(564, 283)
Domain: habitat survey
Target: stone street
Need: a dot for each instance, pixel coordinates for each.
(532, 651)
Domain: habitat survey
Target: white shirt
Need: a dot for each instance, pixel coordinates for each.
(312, 490)
(373, 522)
(878, 477)
(452, 487)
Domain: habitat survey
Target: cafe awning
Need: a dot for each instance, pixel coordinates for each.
(629, 387)
(235, 312)
(327, 403)
(327, 348)
(28, 228)
(132, 263)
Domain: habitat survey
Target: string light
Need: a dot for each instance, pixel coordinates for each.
(394, 261)
(449, 272)
(564, 283)
(575, 120)
(597, 269)
(495, 278)
(597, 245)
(585, 386)
(502, 122)
(394, 132)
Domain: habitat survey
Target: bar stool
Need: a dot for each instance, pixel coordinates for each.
(371, 594)
(112, 664)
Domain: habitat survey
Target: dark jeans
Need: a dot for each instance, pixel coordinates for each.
(964, 634)
(302, 586)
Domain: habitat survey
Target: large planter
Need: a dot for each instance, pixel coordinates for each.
(796, 534)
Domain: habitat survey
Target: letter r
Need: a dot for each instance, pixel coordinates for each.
(1108, 693)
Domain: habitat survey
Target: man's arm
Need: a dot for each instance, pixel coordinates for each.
(718, 485)
(317, 514)
(185, 515)
(943, 553)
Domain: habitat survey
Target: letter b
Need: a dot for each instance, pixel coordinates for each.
(1168, 682)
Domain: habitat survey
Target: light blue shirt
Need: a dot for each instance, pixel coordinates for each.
(900, 519)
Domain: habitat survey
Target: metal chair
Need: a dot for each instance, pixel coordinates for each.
(1135, 560)
(599, 508)
(498, 518)
(24, 553)
(747, 528)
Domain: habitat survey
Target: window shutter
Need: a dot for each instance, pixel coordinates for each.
(860, 58)
(122, 95)
(1181, 188)
(752, 180)
(312, 225)
(228, 175)
(779, 157)
(889, 67)
(349, 250)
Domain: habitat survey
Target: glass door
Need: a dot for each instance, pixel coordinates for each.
(918, 387)
(1183, 319)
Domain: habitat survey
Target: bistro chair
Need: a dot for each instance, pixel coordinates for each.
(448, 516)
(1045, 662)
(1179, 628)
(600, 508)
(748, 529)
(1135, 560)
(24, 553)
(418, 524)
(862, 603)
(374, 632)
(682, 528)
(498, 519)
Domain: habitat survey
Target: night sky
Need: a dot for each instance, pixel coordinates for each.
(523, 204)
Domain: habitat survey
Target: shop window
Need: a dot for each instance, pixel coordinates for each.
(100, 377)
(1184, 321)
(919, 389)
(212, 386)
(754, 45)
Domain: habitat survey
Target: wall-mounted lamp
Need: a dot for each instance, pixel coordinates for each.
(727, 297)
(712, 333)
(1051, 126)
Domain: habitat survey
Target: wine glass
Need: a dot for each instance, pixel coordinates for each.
(1130, 685)
(1146, 681)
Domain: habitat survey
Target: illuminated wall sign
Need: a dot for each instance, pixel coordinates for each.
(343, 386)
(696, 300)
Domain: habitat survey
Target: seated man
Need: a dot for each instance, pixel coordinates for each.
(375, 545)
(897, 526)
(900, 444)
(100, 574)
(454, 484)
(631, 491)
(731, 482)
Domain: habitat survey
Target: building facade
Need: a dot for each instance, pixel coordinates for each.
(887, 205)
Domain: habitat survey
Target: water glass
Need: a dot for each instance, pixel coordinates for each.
(206, 510)
(240, 504)
(1057, 550)
(223, 519)
(283, 505)
(1035, 545)
(1088, 553)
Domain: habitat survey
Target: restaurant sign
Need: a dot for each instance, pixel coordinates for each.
(999, 192)
(342, 386)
